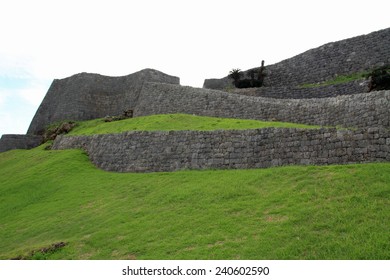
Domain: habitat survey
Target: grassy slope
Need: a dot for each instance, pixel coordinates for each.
(333, 212)
(338, 80)
(330, 212)
(174, 122)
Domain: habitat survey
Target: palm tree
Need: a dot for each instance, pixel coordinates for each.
(235, 74)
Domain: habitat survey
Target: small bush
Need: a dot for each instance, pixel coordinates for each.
(245, 83)
(379, 78)
(58, 128)
(256, 76)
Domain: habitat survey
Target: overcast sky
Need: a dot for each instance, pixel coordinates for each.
(43, 40)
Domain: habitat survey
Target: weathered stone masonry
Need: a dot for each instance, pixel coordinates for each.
(358, 110)
(84, 96)
(324, 91)
(147, 92)
(232, 149)
(88, 96)
(343, 57)
(16, 141)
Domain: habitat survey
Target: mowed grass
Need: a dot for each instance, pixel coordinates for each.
(296, 212)
(174, 122)
(341, 79)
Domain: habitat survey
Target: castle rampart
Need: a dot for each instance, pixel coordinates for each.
(145, 151)
(89, 96)
(358, 110)
(18, 141)
(317, 91)
(343, 57)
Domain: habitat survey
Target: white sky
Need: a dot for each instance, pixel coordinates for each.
(194, 39)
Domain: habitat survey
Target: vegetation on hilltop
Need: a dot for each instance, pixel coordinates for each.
(256, 77)
(379, 78)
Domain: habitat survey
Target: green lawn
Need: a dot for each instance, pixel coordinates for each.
(328, 212)
(174, 122)
(341, 79)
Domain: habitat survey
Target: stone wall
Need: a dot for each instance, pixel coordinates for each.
(358, 110)
(231, 149)
(89, 96)
(16, 141)
(354, 87)
(348, 56)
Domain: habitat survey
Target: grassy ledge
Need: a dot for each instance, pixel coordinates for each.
(174, 122)
(296, 212)
(338, 80)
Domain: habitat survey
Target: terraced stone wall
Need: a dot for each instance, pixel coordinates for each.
(358, 110)
(230, 149)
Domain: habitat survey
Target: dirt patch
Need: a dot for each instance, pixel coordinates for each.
(45, 250)
(275, 218)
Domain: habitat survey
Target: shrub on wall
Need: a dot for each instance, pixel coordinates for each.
(380, 78)
(58, 128)
(253, 81)
(235, 75)
(248, 83)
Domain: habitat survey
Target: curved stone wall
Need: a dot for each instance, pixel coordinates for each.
(88, 96)
(354, 87)
(347, 56)
(358, 110)
(230, 149)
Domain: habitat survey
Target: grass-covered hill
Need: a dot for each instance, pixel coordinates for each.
(296, 212)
